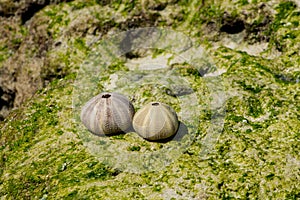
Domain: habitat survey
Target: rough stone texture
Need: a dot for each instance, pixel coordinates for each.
(24, 9)
(255, 49)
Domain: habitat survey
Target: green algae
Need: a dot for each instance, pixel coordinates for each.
(45, 168)
(66, 170)
(4, 53)
(255, 157)
(9, 43)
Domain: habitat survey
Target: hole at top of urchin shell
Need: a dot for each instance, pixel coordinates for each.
(106, 96)
(155, 104)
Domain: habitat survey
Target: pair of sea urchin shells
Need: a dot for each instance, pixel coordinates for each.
(112, 113)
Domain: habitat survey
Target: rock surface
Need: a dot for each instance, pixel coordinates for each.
(238, 103)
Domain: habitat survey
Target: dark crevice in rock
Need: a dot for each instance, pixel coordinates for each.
(139, 21)
(31, 10)
(7, 9)
(57, 44)
(159, 7)
(129, 39)
(6, 102)
(286, 78)
(131, 55)
(49, 76)
(25, 9)
(103, 2)
(257, 31)
(232, 26)
(6, 15)
(137, 53)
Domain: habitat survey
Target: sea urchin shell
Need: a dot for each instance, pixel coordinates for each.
(156, 121)
(107, 114)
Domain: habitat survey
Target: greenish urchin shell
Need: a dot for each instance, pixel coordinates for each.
(107, 114)
(156, 121)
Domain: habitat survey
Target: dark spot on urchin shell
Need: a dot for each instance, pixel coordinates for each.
(106, 96)
(155, 104)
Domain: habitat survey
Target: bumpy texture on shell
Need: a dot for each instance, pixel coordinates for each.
(156, 121)
(107, 114)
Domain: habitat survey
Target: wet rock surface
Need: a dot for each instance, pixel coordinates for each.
(252, 64)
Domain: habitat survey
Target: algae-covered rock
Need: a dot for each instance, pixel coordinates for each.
(230, 70)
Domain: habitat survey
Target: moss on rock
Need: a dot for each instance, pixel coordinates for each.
(255, 155)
